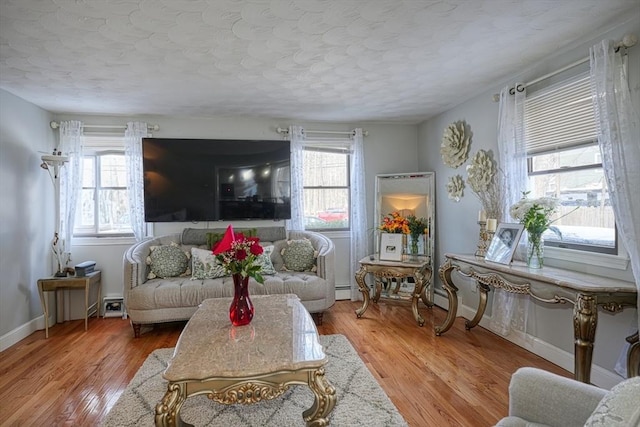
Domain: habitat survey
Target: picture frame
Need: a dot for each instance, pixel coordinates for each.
(504, 243)
(390, 247)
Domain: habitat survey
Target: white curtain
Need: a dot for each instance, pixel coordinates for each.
(510, 310)
(358, 220)
(358, 214)
(296, 134)
(133, 135)
(619, 146)
(71, 144)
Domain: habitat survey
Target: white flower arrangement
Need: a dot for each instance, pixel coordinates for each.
(535, 214)
(455, 187)
(455, 144)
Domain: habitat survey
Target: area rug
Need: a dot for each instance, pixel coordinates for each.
(360, 400)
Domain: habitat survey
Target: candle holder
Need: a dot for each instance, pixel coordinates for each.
(484, 237)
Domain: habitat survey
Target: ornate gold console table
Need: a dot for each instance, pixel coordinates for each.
(550, 285)
(420, 270)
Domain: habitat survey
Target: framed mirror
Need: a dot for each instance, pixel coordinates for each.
(407, 194)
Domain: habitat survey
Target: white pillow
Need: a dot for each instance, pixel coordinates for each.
(205, 265)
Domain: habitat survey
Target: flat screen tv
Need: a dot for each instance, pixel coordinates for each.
(216, 179)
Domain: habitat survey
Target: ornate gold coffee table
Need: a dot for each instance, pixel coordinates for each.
(247, 364)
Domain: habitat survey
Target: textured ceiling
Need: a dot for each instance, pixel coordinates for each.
(336, 60)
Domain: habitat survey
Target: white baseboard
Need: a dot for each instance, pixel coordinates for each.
(21, 332)
(599, 376)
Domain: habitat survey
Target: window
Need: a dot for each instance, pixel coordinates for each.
(564, 162)
(326, 188)
(103, 205)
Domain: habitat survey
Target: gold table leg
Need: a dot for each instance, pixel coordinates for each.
(168, 410)
(325, 400)
(362, 286)
(585, 320)
(482, 306)
(452, 292)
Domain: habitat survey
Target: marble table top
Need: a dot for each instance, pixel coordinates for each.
(281, 336)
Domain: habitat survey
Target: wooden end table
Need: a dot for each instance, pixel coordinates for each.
(70, 282)
(420, 270)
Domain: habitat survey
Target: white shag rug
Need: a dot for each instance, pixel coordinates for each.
(360, 400)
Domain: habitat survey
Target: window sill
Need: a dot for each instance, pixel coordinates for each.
(616, 262)
(103, 241)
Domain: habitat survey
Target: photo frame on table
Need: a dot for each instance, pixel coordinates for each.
(504, 243)
(390, 247)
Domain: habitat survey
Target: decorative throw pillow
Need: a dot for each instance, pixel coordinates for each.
(205, 265)
(264, 260)
(214, 238)
(299, 255)
(619, 407)
(168, 261)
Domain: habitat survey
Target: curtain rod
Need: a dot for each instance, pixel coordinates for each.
(56, 125)
(285, 131)
(626, 42)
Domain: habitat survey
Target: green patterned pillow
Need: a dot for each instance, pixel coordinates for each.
(619, 408)
(168, 261)
(299, 255)
(205, 265)
(264, 260)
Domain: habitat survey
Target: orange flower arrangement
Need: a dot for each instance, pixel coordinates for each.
(394, 223)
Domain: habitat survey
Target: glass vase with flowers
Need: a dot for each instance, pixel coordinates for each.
(418, 229)
(238, 256)
(535, 214)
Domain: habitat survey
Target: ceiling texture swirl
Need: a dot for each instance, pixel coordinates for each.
(333, 60)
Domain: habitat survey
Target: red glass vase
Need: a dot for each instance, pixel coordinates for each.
(241, 309)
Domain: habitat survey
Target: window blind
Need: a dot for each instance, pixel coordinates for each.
(560, 116)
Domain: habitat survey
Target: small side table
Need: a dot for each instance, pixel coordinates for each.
(71, 282)
(420, 270)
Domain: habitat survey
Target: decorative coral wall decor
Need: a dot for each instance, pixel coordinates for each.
(455, 187)
(455, 144)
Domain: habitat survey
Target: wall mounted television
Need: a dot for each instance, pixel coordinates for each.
(216, 179)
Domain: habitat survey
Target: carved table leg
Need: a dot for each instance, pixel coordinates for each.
(585, 320)
(427, 295)
(445, 274)
(377, 281)
(482, 305)
(417, 292)
(168, 410)
(362, 286)
(325, 400)
(633, 356)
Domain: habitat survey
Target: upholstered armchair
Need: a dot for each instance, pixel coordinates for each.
(540, 398)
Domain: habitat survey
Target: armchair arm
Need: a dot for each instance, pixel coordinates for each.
(543, 397)
(134, 261)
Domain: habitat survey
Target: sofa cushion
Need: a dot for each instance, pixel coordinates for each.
(299, 255)
(177, 292)
(168, 261)
(264, 260)
(204, 265)
(620, 407)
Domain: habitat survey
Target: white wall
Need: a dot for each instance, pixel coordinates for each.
(457, 230)
(388, 148)
(26, 220)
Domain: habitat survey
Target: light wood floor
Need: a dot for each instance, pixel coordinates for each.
(459, 379)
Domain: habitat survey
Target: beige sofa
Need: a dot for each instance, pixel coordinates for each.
(156, 300)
